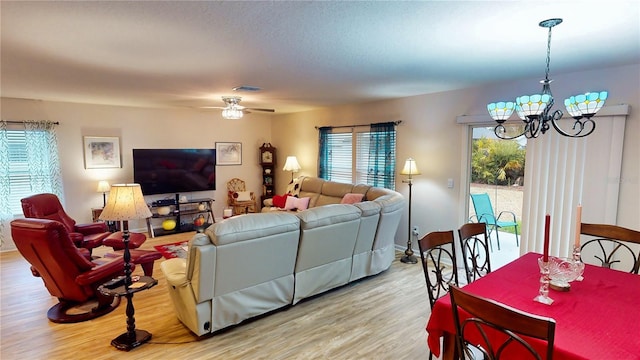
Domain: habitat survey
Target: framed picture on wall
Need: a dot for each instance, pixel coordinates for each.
(101, 152)
(228, 153)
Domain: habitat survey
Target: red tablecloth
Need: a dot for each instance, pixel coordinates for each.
(599, 318)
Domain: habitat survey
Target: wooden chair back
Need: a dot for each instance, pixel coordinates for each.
(438, 258)
(612, 246)
(475, 250)
(497, 330)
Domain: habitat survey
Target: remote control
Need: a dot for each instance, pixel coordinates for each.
(114, 283)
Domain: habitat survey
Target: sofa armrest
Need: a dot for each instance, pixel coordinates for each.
(103, 272)
(175, 271)
(91, 228)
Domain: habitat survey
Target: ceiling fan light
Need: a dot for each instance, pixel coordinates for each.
(232, 113)
(501, 111)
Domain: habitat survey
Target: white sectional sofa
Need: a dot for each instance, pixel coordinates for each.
(251, 264)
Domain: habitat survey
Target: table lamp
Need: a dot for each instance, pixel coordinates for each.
(291, 165)
(409, 169)
(103, 187)
(126, 202)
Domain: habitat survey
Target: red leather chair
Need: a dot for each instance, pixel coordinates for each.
(66, 273)
(48, 206)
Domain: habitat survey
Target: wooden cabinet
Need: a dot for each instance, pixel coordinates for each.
(268, 163)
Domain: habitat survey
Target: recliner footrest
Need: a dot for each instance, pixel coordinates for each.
(115, 240)
(144, 258)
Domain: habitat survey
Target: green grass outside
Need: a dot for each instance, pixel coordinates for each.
(512, 229)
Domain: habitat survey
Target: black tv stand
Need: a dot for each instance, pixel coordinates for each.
(180, 211)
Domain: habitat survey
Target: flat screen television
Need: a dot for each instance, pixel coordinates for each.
(164, 171)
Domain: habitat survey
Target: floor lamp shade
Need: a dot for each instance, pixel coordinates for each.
(126, 202)
(410, 168)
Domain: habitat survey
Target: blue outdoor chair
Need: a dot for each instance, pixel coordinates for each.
(485, 214)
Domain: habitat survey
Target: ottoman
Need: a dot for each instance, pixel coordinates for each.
(115, 240)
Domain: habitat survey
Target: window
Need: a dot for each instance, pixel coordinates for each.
(30, 165)
(359, 156)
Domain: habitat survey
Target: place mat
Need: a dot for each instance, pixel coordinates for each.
(173, 250)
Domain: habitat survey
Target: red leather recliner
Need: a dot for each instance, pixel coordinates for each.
(48, 206)
(66, 273)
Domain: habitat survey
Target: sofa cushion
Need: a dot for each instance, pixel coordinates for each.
(327, 215)
(251, 226)
(368, 208)
(390, 202)
(311, 184)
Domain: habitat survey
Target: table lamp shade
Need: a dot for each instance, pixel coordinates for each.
(291, 164)
(410, 168)
(126, 202)
(103, 186)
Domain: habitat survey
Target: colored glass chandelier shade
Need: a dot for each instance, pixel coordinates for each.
(501, 111)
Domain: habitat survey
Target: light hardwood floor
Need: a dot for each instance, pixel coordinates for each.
(381, 317)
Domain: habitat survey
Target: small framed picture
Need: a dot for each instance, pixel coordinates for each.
(101, 152)
(228, 153)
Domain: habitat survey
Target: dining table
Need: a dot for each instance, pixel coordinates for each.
(598, 318)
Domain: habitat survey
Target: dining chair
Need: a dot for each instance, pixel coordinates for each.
(438, 258)
(485, 214)
(475, 250)
(611, 245)
(497, 330)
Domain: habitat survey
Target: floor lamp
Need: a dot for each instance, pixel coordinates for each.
(126, 202)
(409, 169)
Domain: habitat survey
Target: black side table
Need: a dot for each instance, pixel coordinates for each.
(133, 337)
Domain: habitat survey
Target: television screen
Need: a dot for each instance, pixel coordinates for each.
(163, 171)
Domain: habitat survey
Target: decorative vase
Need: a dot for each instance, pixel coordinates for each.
(202, 207)
(169, 224)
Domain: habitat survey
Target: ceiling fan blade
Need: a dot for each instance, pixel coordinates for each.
(212, 107)
(258, 109)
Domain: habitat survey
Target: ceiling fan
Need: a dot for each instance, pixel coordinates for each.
(233, 110)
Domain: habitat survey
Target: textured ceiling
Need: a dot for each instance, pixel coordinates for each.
(303, 55)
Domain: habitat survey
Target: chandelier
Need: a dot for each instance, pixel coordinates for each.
(535, 110)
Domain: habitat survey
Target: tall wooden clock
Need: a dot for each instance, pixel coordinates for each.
(268, 163)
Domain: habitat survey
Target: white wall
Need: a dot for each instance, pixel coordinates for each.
(141, 128)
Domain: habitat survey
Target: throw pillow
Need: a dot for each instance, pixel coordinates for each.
(294, 203)
(244, 196)
(279, 200)
(351, 198)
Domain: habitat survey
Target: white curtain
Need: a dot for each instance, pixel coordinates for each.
(29, 164)
(563, 172)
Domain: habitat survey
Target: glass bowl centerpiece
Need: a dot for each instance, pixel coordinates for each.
(562, 271)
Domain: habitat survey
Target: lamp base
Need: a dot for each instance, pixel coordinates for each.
(409, 259)
(126, 343)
